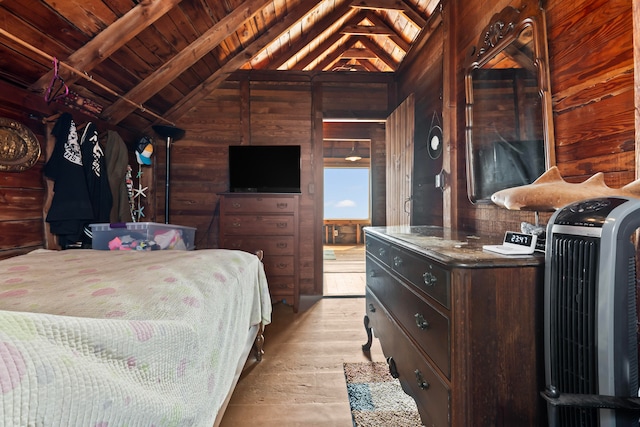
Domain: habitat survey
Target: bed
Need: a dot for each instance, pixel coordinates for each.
(126, 338)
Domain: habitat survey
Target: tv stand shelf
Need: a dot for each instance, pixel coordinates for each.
(267, 222)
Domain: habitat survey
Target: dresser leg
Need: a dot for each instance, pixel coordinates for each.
(367, 347)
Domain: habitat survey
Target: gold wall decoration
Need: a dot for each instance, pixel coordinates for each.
(19, 147)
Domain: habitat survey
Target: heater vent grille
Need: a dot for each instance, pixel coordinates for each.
(573, 319)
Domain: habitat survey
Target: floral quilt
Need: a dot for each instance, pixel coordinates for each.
(124, 338)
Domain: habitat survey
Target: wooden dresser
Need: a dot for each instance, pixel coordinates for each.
(267, 222)
(461, 328)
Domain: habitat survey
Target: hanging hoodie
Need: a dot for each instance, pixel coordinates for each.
(70, 206)
(95, 172)
(117, 158)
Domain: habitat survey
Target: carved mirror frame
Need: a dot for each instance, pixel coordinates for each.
(500, 37)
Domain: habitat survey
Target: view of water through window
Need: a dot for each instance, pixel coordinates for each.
(346, 193)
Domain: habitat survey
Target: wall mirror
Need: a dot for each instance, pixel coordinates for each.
(509, 127)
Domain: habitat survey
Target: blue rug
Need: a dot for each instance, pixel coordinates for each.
(377, 399)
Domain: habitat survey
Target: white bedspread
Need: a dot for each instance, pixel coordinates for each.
(124, 338)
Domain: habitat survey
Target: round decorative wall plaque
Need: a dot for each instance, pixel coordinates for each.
(434, 142)
(19, 147)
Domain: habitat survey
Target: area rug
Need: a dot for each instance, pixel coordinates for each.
(377, 399)
(328, 254)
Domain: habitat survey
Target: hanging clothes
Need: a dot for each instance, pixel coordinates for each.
(117, 158)
(95, 172)
(71, 205)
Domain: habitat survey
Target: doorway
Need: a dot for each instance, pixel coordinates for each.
(347, 207)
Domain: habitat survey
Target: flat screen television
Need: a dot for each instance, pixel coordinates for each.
(264, 168)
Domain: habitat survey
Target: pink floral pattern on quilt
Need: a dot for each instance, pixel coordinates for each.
(114, 338)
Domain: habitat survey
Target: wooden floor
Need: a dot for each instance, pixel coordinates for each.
(300, 381)
(344, 275)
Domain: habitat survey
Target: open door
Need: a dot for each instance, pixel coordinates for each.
(400, 136)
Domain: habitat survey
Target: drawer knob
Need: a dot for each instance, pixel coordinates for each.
(421, 321)
(282, 205)
(281, 225)
(236, 205)
(397, 261)
(382, 252)
(429, 278)
(422, 383)
(372, 308)
(281, 245)
(235, 224)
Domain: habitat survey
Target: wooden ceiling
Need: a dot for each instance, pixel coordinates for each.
(138, 62)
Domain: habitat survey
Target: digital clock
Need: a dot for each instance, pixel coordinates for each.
(518, 238)
(514, 243)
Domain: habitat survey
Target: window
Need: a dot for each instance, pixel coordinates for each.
(346, 193)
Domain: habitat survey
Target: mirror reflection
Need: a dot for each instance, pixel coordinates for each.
(507, 133)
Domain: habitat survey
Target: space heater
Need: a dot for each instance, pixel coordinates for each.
(590, 318)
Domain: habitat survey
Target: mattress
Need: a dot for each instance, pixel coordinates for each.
(131, 338)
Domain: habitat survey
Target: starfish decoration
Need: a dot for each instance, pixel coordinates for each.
(139, 213)
(139, 174)
(137, 192)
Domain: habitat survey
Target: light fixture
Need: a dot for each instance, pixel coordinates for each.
(352, 157)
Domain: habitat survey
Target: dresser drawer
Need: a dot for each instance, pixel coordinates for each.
(276, 245)
(258, 204)
(259, 224)
(429, 328)
(281, 286)
(425, 275)
(425, 386)
(278, 265)
(379, 250)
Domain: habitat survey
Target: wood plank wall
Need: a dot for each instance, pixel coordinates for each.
(591, 67)
(426, 83)
(591, 64)
(263, 109)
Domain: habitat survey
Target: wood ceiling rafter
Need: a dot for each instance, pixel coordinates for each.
(209, 85)
(318, 29)
(167, 55)
(399, 5)
(184, 59)
(109, 40)
(380, 53)
(329, 60)
(353, 28)
(398, 40)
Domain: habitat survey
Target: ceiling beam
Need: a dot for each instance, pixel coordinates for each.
(326, 45)
(184, 59)
(407, 10)
(334, 56)
(381, 53)
(380, 4)
(358, 53)
(212, 82)
(368, 30)
(109, 40)
(399, 41)
(315, 32)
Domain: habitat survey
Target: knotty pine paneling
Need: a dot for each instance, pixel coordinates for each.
(590, 54)
(425, 82)
(267, 110)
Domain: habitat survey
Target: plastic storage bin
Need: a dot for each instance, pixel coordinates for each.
(142, 236)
